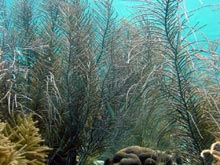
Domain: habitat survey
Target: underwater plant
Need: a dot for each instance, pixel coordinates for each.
(178, 86)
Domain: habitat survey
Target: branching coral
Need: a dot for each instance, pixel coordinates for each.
(8, 153)
(6, 147)
(22, 143)
(214, 151)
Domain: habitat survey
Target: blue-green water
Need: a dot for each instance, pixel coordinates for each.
(208, 14)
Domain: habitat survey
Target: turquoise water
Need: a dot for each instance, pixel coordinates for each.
(209, 16)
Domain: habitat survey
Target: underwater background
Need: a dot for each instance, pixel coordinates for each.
(87, 83)
(205, 15)
(209, 16)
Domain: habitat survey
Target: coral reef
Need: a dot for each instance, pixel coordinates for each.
(21, 143)
(212, 154)
(140, 156)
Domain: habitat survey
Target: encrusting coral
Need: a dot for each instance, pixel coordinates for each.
(22, 144)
